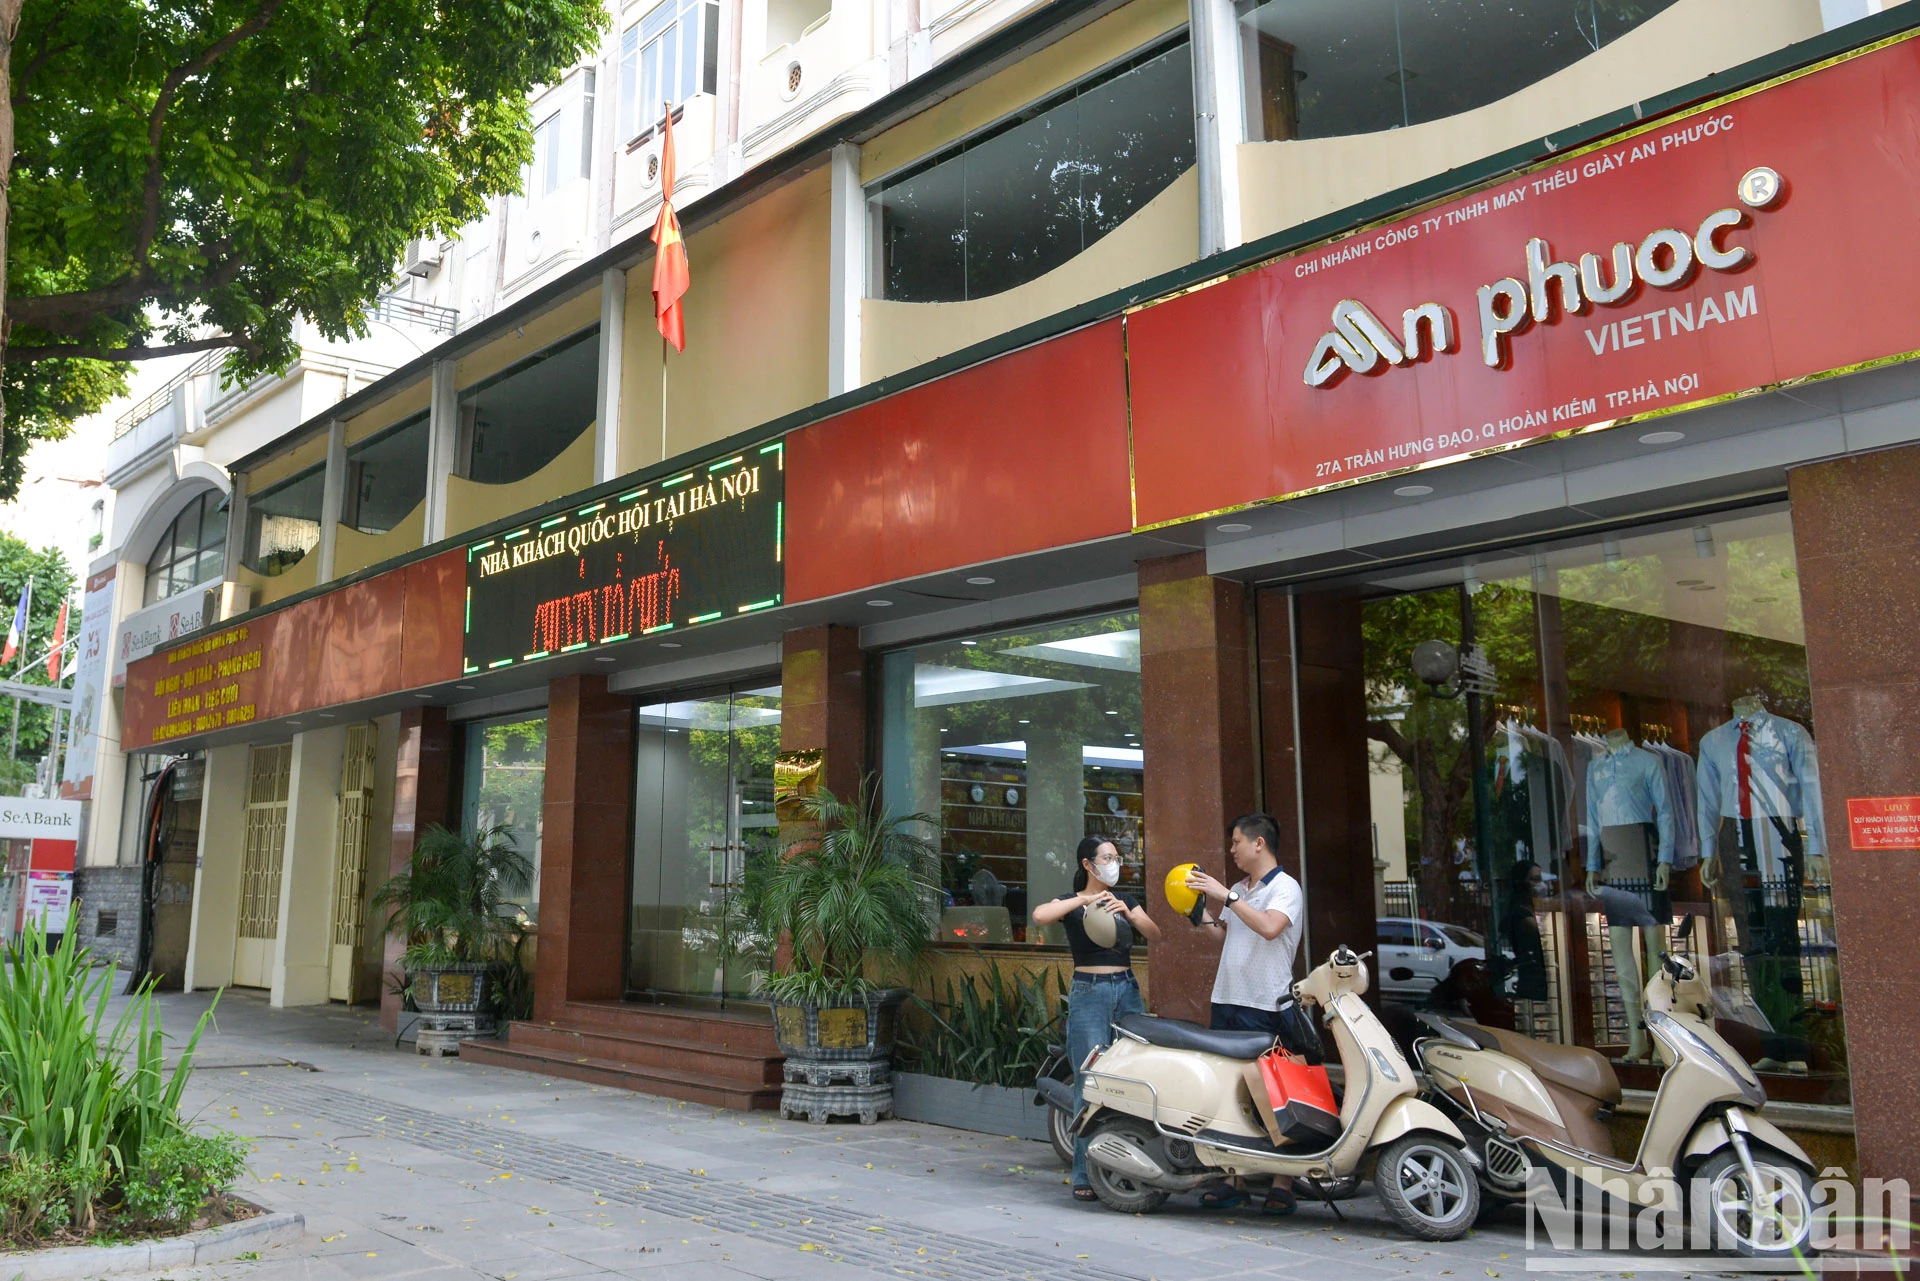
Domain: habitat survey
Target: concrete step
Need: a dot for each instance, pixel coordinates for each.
(674, 1084)
(748, 1066)
(750, 1029)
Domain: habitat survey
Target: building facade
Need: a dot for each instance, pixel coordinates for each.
(1491, 449)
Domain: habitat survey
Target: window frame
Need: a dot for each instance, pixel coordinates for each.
(249, 552)
(162, 569)
(640, 54)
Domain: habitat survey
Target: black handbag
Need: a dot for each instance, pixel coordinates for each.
(1298, 1035)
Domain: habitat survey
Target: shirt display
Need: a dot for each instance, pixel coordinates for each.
(1627, 786)
(1254, 971)
(1760, 767)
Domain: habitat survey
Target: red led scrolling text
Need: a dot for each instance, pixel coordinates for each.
(621, 608)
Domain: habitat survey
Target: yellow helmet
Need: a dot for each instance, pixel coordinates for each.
(1179, 897)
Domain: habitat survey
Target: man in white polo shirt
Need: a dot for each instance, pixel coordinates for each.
(1261, 919)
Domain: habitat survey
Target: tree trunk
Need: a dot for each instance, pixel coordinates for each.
(9, 28)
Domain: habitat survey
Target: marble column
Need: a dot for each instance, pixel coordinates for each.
(1857, 539)
(1056, 814)
(1197, 733)
(423, 779)
(823, 702)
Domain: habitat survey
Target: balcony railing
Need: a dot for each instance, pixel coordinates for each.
(392, 309)
(158, 400)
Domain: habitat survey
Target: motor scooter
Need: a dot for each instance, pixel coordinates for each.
(1167, 1109)
(1526, 1104)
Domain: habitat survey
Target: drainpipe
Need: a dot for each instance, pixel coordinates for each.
(1219, 121)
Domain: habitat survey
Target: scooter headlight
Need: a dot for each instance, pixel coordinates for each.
(1752, 1093)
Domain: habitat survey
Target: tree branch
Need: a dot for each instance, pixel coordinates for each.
(74, 351)
(46, 50)
(71, 312)
(156, 120)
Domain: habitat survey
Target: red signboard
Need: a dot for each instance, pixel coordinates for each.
(1884, 822)
(1746, 243)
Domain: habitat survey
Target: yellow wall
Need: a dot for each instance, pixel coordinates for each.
(1032, 78)
(471, 504)
(297, 579)
(416, 397)
(1283, 184)
(540, 331)
(1159, 236)
(756, 322)
(354, 550)
(308, 453)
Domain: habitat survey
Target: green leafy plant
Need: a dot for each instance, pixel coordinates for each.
(84, 1103)
(989, 1028)
(860, 889)
(178, 1172)
(453, 905)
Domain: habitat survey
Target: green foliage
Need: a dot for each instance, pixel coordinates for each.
(453, 903)
(178, 1172)
(222, 168)
(86, 1104)
(991, 1028)
(53, 582)
(861, 889)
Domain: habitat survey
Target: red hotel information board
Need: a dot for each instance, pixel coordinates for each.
(1817, 272)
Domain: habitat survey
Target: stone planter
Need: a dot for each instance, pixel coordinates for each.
(454, 1003)
(838, 1056)
(985, 1109)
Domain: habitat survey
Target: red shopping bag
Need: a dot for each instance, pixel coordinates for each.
(1301, 1097)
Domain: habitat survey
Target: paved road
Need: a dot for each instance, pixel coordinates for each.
(414, 1167)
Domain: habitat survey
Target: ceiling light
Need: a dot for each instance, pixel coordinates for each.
(1025, 722)
(603, 658)
(1113, 713)
(1413, 491)
(969, 644)
(669, 644)
(1662, 437)
(980, 580)
(463, 687)
(293, 724)
(326, 716)
(879, 604)
(1234, 527)
(430, 696)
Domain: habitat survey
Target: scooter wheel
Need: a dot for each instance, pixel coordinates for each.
(1774, 1223)
(1428, 1187)
(1059, 1126)
(1119, 1191)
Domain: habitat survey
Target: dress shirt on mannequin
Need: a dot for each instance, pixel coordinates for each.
(1626, 787)
(1782, 776)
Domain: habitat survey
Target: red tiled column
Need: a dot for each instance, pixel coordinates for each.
(422, 796)
(1856, 524)
(1197, 731)
(584, 847)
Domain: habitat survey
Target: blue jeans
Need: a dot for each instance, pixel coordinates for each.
(1097, 1000)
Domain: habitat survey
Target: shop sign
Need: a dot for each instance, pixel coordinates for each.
(213, 682)
(23, 819)
(1884, 822)
(1741, 245)
(158, 624)
(689, 549)
(48, 900)
(89, 679)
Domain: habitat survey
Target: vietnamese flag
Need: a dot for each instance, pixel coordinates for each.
(671, 275)
(59, 640)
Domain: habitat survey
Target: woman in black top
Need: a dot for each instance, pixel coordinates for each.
(1099, 925)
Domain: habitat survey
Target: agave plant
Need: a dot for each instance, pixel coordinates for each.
(861, 888)
(453, 903)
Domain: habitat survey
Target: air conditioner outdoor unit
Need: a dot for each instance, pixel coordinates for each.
(422, 258)
(222, 601)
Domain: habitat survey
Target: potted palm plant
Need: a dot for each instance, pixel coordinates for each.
(453, 907)
(854, 902)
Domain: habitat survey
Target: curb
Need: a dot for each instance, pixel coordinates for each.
(213, 1245)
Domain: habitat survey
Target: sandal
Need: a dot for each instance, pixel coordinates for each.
(1223, 1197)
(1279, 1202)
(1085, 1194)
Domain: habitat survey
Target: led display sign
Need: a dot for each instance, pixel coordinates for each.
(692, 548)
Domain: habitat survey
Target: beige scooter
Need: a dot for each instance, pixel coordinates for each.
(1167, 1109)
(1524, 1103)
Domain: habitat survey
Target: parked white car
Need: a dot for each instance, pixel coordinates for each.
(1414, 955)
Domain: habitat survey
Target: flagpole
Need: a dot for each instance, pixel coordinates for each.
(663, 398)
(13, 743)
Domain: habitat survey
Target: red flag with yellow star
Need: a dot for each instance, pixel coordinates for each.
(671, 274)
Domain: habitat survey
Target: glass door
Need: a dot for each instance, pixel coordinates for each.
(703, 813)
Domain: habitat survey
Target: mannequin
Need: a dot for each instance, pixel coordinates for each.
(1632, 931)
(1760, 820)
(1629, 827)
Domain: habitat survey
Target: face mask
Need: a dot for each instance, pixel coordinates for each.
(1107, 872)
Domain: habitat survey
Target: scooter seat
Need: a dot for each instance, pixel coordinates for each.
(1573, 1067)
(1177, 1034)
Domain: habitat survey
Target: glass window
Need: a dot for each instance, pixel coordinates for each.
(1570, 797)
(386, 477)
(703, 813)
(192, 550)
(666, 58)
(1018, 744)
(505, 784)
(1017, 201)
(1327, 68)
(283, 522)
(517, 422)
